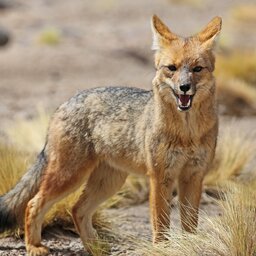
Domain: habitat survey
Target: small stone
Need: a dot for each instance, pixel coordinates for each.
(4, 37)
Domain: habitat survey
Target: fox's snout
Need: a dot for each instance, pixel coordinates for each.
(184, 83)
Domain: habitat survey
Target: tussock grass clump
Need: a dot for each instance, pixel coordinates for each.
(238, 220)
(234, 233)
(191, 3)
(245, 13)
(135, 191)
(29, 135)
(50, 36)
(236, 97)
(235, 149)
(236, 84)
(13, 164)
(237, 65)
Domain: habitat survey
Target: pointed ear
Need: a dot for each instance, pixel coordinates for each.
(161, 34)
(208, 36)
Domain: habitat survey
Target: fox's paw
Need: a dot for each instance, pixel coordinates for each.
(37, 250)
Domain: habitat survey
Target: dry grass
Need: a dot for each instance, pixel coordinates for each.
(236, 97)
(29, 135)
(234, 233)
(237, 65)
(236, 84)
(50, 36)
(245, 13)
(235, 149)
(13, 164)
(135, 191)
(191, 3)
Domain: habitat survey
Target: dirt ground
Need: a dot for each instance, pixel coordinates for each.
(125, 222)
(101, 42)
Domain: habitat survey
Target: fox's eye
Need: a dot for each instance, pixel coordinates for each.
(197, 69)
(172, 68)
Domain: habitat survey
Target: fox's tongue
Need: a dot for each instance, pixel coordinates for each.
(184, 99)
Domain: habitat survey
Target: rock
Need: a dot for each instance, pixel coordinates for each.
(4, 37)
(215, 193)
(5, 4)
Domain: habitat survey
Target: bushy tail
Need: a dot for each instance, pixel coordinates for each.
(13, 204)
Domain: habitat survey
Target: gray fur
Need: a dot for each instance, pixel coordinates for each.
(81, 119)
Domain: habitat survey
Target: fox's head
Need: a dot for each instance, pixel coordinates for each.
(184, 65)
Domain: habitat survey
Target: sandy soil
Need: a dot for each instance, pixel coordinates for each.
(102, 42)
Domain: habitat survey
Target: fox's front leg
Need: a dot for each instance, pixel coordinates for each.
(190, 190)
(161, 186)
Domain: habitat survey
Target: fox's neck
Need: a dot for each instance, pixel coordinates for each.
(201, 117)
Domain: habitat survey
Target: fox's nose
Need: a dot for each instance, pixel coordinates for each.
(185, 87)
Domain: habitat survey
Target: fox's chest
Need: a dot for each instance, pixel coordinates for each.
(174, 154)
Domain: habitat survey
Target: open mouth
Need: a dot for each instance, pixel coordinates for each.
(184, 101)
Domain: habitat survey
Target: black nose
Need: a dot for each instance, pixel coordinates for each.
(185, 87)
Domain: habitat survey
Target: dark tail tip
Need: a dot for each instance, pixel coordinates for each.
(7, 219)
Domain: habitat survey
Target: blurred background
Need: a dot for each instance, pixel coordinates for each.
(51, 49)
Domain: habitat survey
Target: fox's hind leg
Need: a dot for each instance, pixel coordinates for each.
(60, 179)
(102, 184)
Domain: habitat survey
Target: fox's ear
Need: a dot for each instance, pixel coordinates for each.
(161, 34)
(208, 36)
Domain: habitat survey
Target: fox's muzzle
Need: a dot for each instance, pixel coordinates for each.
(185, 91)
(185, 83)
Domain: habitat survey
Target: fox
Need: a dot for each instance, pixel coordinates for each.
(101, 135)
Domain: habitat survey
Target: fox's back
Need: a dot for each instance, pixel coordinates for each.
(105, 103)
(101, 119)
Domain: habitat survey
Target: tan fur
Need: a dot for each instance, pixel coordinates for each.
(102, 134)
